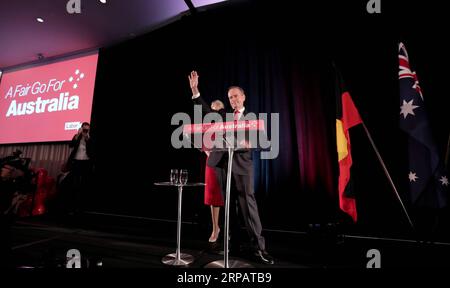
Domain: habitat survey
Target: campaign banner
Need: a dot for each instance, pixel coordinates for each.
(47, 103)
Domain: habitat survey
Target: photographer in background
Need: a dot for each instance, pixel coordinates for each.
(80, 165)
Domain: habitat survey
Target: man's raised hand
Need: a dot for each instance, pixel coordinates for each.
(193, 81)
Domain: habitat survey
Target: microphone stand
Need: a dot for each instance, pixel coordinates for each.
(226, 263)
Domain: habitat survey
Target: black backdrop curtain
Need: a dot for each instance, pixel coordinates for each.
(142, 83)
(283, 60)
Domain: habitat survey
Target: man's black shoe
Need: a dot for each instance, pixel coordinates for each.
(264, 257)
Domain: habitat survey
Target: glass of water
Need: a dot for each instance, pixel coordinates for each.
(183, 176)
(174, 176)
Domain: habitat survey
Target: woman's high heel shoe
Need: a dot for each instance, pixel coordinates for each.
(214, 237)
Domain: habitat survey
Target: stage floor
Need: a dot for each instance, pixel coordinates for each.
(120, 242)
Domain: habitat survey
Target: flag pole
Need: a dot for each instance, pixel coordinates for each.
(387, 173)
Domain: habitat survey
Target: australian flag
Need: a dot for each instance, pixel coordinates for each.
(428, 182)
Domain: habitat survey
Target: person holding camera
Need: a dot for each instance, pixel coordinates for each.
(80, 165)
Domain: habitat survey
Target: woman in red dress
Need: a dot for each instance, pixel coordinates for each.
(213, 193)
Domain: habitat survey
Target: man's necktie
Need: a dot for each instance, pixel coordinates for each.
(236, 115)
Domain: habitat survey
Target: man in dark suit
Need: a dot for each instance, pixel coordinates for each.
(80, 164)
(242, 172)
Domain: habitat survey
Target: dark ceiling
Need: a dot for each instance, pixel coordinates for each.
(23, 38)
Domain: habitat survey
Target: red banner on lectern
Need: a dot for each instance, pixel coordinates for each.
(247, 125)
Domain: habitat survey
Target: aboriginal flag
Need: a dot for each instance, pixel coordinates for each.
(347, 116)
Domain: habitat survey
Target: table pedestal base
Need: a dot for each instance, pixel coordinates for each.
(171, 259)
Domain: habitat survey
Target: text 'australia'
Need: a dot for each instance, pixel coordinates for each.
(64, 102)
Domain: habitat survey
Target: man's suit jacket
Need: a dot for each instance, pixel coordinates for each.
(242, 160)
(75, 143)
